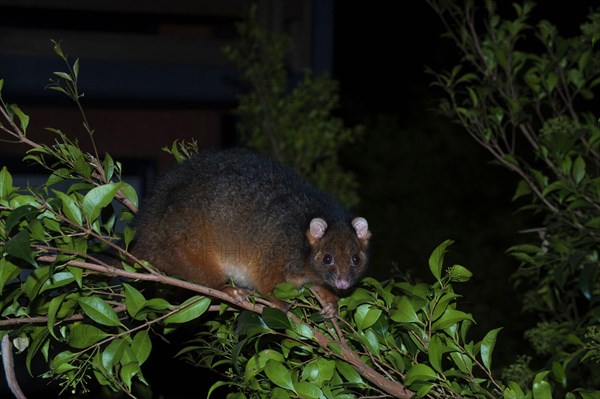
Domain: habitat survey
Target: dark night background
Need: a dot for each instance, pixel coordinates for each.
(422, 179)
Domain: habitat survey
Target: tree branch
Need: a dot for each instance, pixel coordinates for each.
(9, 368)
(392, 387)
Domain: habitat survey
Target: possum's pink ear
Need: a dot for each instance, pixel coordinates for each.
(316, 231)
(362, 228)
(317, 228)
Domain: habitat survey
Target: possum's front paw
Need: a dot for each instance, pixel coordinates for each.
(239, 295)
(329, 311)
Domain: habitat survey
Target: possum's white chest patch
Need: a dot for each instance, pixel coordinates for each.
(238, 274)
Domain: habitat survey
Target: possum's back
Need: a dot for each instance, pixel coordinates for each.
(236, 185)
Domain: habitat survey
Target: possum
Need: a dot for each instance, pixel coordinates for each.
(238, 221)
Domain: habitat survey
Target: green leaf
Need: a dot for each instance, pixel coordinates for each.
(501, 58)
(286, 291)
(189, 310)
(487, 347)
(435, 352)
(404, 312)
(69, 207)
(99, 311)
(551, 81)
(554, 186)
(459, 273)
(268, 354)
(112, 354)
(130, 193)
(366, 315)
(77, 274)
(21, 342)
(35, 280)
(8, 272)
(559, 374)
(6, 187)
(97, 198)
(462, 361)
(576, 77)
(307, 390)
(541, 387)
(528, 248)
(522, 190)
(275, 319)
(128, 234)
(442, 304)
(473, 96)
(303, 330)
(369, 340)
(584, 59)
(57, 88)
(358, 297)
(39, 339)
(60, 363)
(141, 346)
(216, 385)
(319, 371)
(464, 329)
(588, 394)
(84, 335)
(134, 299)
(279, 374)
(348, 372)
(158, 304)
(19, 247)
(63, 75)
(510, 159)
(424, 389)
(451, 317)
(276, 393)
(129, 371)
(513, 391)
(76, 68)
(593, 223)
(109, 166)
(578, 171)
(588, 281)
(53, 308)
(419, 373)
(57, 280)
(23, 118)
(437, 258)
(25, 212)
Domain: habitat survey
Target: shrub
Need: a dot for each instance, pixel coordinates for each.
(93, 323)
(294, 124)
(524, 92)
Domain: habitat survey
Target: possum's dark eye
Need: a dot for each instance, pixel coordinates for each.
(327, 259)
(355, 260)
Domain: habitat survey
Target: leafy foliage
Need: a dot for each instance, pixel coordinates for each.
(523, 92)
(411, 332)
(93, 323)
(294, 125)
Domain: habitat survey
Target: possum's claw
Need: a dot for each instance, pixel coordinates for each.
(239, 295)
(329, 311)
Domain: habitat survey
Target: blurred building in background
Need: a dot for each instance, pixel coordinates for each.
(151, 72)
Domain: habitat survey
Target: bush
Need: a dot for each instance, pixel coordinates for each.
(90, 321)
(294, 124)
(525, 93)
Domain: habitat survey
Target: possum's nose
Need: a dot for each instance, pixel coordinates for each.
(342, 284)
